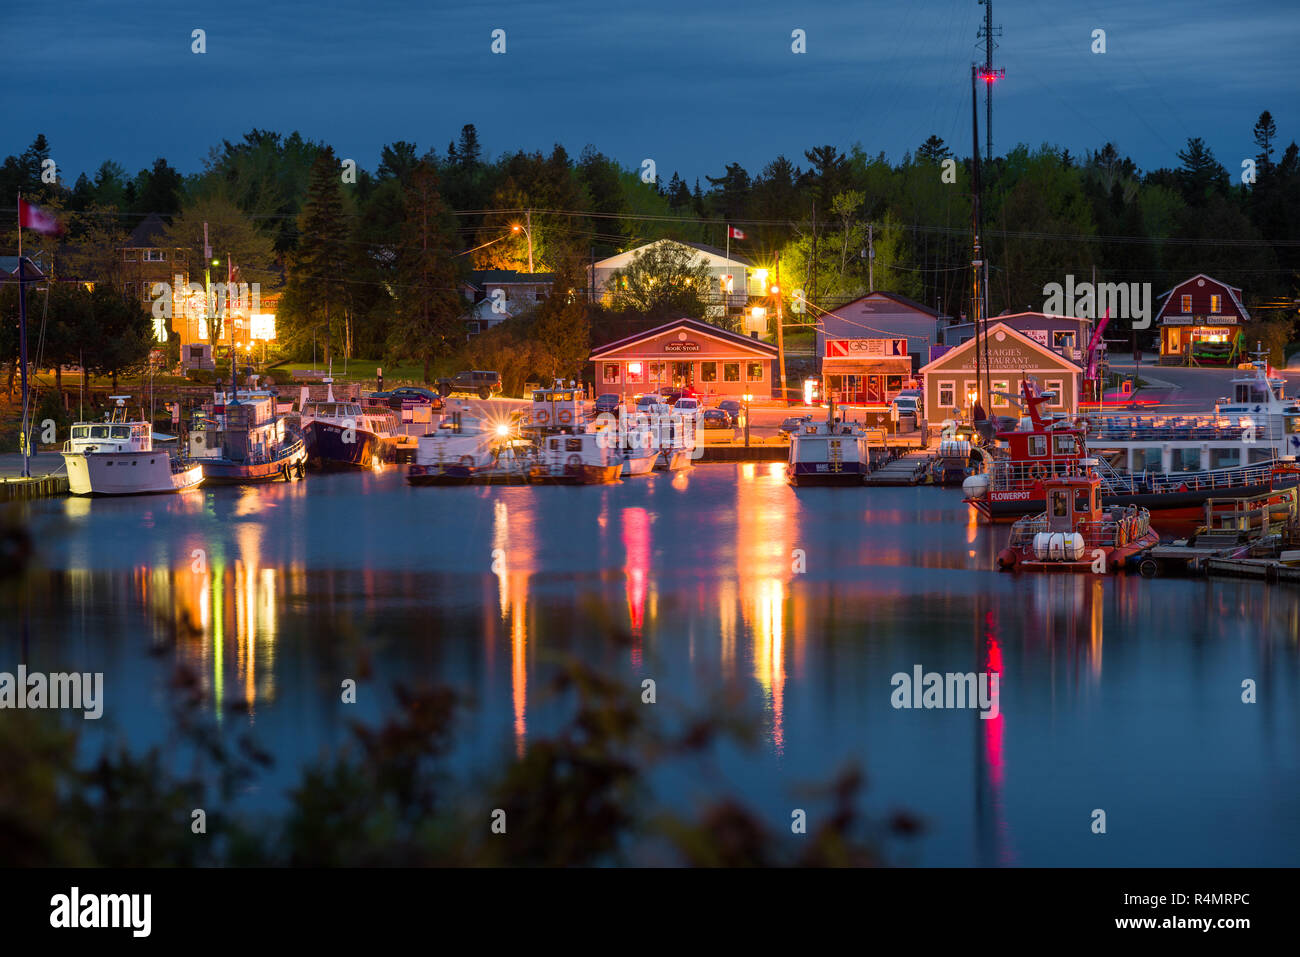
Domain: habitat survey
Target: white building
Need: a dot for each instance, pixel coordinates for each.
(735, 277)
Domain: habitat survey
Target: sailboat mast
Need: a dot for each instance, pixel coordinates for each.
(976, 262)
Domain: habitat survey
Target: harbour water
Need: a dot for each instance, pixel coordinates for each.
(1120, 694)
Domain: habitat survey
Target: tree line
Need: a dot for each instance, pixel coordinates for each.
(374, 263)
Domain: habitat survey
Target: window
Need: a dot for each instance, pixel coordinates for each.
(635, 372)
(128, 288)
(754, 371)
(611, 371)
(1057, 386)
(731, 371)
(1080, 500)
(1186, 302)
(1062, 340)
(1215, 303)
(1063, 445)
(130, 256)
(155, 256)
(947, 395)
(658, 370)
(1038, 445)
(708, 372)
(1060, 503)
(1000, 385)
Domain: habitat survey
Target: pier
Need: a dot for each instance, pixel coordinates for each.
(908, 469)
(48, 480)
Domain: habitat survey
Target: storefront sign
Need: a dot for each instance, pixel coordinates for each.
(687, 346)
(1200, 321)
(846, 348)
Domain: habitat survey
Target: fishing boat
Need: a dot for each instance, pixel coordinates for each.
(462, 446)
(117, 457)
(1075, 532)
(675, 435)
(239, 439)
(828, 453)
(633, 439)
(1041, 448)
(580, 458)
(342, 434)
(956, 460)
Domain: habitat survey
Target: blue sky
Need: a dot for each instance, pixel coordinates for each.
(693, 85)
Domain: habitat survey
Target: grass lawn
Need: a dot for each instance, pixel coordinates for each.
(363, 370)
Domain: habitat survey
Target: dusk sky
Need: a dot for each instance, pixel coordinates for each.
(693, 85)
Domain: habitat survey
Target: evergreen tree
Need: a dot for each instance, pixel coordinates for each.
(313, 303)
(1265, 131)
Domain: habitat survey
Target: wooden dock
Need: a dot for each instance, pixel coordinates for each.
(38, 486)
(909, 469)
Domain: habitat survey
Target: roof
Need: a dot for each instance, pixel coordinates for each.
(148, 234)
(969, 344)
(694, 325)
(9, 267)
(901, 300)
(620, 259)
(1234, 293)
(508, 277)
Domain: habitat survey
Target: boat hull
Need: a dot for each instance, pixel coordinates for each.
(439, 475)
(639, 465)
(823, 473)
(672, 461)
(1165, 507)
(286, 468)
(329, 447)
(127, 473)
(1113, 558)
(577, 475)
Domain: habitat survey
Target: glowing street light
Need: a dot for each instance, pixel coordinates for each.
(517, 228)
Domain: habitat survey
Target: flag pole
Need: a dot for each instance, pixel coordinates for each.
(22, 338)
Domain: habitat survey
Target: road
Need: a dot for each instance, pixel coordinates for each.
(1194, 389)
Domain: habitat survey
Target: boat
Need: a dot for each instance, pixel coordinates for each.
(579, 458)
(239, 439)
(462, 446)
(828, 453)
(675, 435)
(1041, 448)
(117, 457)
(342, 433)
(1076, 532)
(633, 439)
(1255, 425)
(956, 460)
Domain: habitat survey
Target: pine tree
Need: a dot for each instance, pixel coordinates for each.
(1265, 131)
(430, 319)
(314, 300)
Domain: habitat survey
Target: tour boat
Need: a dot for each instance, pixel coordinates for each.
(344, 434)
(462, 446)
(1075, 532)
(117, 457)
(239, 439)
(828, 453)
(1042, 448)
(581, 458)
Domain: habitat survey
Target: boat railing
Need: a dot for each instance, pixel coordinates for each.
(1136, 428)
(1136, 523)
(1245, 475)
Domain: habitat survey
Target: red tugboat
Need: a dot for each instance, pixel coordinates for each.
(1075, 533)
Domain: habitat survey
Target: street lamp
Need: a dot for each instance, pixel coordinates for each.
(529, 233)
(749, 397)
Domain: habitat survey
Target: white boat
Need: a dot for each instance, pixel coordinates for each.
(461, 446)
(582, 458)
(117, 457)
(675, 434)
(828, 453)
(633, 439)
(1256, 425)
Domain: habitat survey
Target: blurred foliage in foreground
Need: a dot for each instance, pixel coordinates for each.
(580, 796)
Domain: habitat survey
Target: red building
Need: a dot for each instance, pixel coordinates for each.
(1200, 321)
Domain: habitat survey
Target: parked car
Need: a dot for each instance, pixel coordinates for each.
(670, 396)
(394, 398)
(644, 403)
(608, 402)
(733, 408)
(792, 424)
(483, 384)
(716, 419)
(685, 404)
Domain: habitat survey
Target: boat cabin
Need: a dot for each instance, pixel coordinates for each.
(557, 409)
(1072, 499)
(115, 434)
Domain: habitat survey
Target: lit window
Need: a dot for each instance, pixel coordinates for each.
(731, 371)
(1215, 302)
(1038, 445)
(611, 371)
(708, 372)
(1186, 304)
(754, 371)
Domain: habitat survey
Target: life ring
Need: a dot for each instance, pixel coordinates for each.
(467, 461)
(284, 471)
(542, 416)
(575, 461)
(1121, 536)
(1038, 471)
(565, 416)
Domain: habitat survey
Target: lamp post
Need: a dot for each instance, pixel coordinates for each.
(748, 398)
(527, 231)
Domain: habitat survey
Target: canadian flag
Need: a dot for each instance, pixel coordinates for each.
(33, 217)
(735, 233)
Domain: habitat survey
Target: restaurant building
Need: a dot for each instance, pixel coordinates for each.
(686, 354)
(1199, 321)
(951, 385)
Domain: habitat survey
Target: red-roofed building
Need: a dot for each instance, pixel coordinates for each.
(1200, 320)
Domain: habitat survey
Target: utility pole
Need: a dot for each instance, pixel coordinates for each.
(871, 258)
(528, 228)
(987, 33)
(780, 337)
(22, 342)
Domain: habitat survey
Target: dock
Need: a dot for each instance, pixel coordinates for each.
(909, 469)
(48, 480)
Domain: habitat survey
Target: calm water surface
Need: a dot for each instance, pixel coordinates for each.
(1120, 694)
